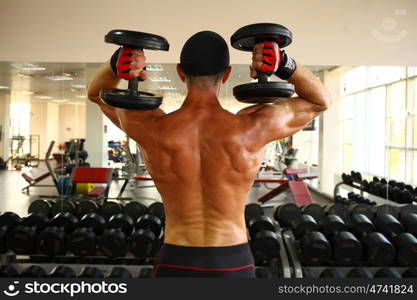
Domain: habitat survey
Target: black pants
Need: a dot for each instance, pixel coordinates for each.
(231, 261)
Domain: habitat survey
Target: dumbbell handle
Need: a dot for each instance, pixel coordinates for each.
(134, 82)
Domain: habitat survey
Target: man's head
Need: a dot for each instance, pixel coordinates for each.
(204, 61)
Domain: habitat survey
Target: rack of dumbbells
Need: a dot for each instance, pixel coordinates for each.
(59, 239)
(350, 239)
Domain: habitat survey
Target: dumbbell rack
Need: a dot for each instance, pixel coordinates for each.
(281, 267)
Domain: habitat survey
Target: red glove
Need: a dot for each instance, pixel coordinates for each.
(120, 63)
(271, 58)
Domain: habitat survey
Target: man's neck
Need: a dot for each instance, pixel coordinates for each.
(198, 97)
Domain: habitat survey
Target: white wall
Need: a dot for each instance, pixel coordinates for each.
(4, 123)
(326, 32)
(71, 122)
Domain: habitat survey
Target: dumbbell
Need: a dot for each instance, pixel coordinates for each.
(347, 250)
(252, 211)
(110, 209)
(359, 272)
(331, 273)
(263, 91)
(365, 185)
(143, 241)
(337, 209)
(315, 210)
(119, 272)
(409, 221)
(356, 176)
(378, 249)
(361, 208)
(62, 272)
(8, 221)
(346, 179)
(264, 241)
(33, 271)
(91, 272)
(145, 273)
(405, 242)
(157, 209)
(356, 198)
(410, 273)
(82, 241)
(52, 240)
(384, 209)
(387, 273)
(314, 246)
(406, 209)
(8, 271)
(86, 207)
(135, 210)
(112, 243)
(285, 213)
(22, 239)
(62, 205)
(41, 206)
(132, 98)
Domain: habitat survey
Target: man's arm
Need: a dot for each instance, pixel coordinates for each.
(122, 118)
(289, 115)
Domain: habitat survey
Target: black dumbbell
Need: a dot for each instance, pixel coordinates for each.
(33, 271)
(406, 209)
(338, 209)
(132, 98)
(359, 272)
(387, 273)
(91, 272)
(145, 273)
(143, 242)
(52, 240)
(22, 239)
(405, 242)
(410, 273)
(135, 210)
(252, 211)
(62, 272)
(157, 209)
(406, 196)
(8, 271)
(356, 176)
(112, 243)
(365, 185)
(63, 205)
(314, 246)
(377, 248)
(347, 249)
(346, 179)
(8, 221)
(315, 210)
(82, 241)
(384, 209)
(86, 207)
(409, 221)
(110, 209)
(119, 272)
(41, 206)
(284, 213)
(395, 194)
(264, 241)
(331, 273)
(361, 208)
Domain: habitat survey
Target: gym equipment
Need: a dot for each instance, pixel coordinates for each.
(132, 98)
(22, 239)
(8, 221)
(315, 210)
(144, 241)
(119, 272)
(157, 209)
(359, 272)
(262, 91)
(113, 241)
(331, 273)
(33, 271)
(82, 242)
(378, 249)
(388, 273)
(384, 209)
(110, 208)
(314, 247)
(285, 213)
(86, 207)
(8, 271)
(40, 206)
(264, 240)
(361, 208)
(337, 209)
(405, 242)
(62, 205)
(410, 273)
(409, 221)
(145, 273)
(62, 272)
(406, 209)
(252, 211)
(91, 272)
(135, 210)
(347, 250)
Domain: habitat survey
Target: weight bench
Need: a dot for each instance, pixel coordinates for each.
(93, 175)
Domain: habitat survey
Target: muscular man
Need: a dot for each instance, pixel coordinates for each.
(203, 158)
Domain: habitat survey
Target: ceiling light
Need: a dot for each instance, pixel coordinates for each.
(24, 75)
(59, 77)
(60, 100)
(154, 67)
(78, 86)
(28, 67)
(167, 88)
(2, 87)
(159, 79)
(42, 97)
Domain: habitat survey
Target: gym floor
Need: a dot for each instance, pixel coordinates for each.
(12, 198)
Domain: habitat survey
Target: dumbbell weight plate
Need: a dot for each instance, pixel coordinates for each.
(8, 271)
(82, 242)
(315, 210)
(63, 205)
(407, 209)
(157, 209)
(150, 222)
(265, 244)
(137, 40)
(263, 92)
(347, 248)
(142, 243)
(285, 213)
(135, 210)
(91, 272)
(252, 211)
(33, 272)
(62, 272)
(385, 209)
(40, 206)
(338, 209)
(315, 249)
(361, 208)
(85, 207)
(51, 241)
(113, 243)
(128, 100)
(110, 208)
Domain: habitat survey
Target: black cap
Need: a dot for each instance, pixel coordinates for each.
(205, 53)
